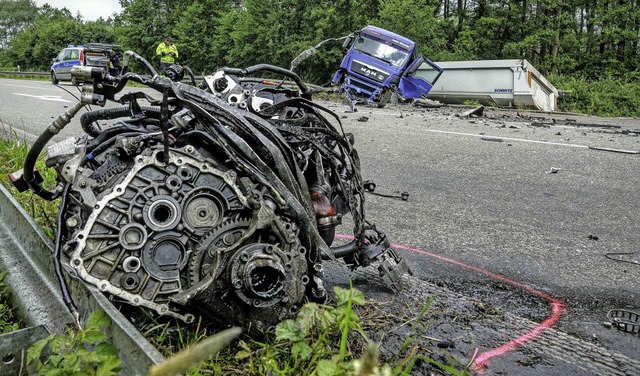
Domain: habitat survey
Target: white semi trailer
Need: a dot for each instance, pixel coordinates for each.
(502, 83)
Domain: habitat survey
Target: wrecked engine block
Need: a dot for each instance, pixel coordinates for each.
(218, 199)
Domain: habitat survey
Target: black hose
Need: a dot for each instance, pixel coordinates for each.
(343, 250)
(191, 75)
(141, 60)
(305, 92)
(30, 165)
(164, 122)
(88, 118)
(34, 152)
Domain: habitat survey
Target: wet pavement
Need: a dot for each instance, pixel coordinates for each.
(518, 223)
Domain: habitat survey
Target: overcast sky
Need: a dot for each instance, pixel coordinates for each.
(90, 10)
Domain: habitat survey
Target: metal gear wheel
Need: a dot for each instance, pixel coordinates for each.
(205, 258)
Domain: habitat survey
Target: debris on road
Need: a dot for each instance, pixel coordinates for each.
(370, 187)
(427, 103)
(478, 111)
(623, 320)
(615, 150)
(490, 138)
(553, 170)
(611, 254)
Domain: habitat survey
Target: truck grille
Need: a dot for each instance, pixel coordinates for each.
(363, 86)
(366, 71)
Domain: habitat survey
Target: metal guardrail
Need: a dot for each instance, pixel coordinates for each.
(26, 254)
(33, 74)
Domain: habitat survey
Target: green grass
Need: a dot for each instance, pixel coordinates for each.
(13, 152)
(25, 77)
(323, 339)
(8, 320)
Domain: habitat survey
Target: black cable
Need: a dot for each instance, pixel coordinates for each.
(164, 110)
(88, 118)
(68, 91)
(105, 145)
(191, 75)
(64, 289)
(404, 196)
(608, 255)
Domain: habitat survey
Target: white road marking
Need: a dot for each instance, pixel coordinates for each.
(508, 138)
(53, 98)
(31, 87)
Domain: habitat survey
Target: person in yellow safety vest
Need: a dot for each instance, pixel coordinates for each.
(168, 53)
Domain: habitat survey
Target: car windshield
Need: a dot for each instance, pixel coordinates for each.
(381, 51)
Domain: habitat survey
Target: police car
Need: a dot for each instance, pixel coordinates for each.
(91, 54)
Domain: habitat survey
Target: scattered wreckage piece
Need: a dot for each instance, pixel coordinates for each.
(219, 199)
(425, 102)
(624, 320)
(474, 112)
(614, 150)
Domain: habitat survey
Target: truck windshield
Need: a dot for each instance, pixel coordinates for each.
(379, 50)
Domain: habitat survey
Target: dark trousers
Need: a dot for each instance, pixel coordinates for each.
(164, 66)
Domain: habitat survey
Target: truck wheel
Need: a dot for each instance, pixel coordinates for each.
(384, 99)
(54, 79)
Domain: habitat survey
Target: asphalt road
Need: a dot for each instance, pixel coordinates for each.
(523, 198)
(28, 107)
(532, 203)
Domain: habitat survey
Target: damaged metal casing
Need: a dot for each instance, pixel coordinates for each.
(26, 255)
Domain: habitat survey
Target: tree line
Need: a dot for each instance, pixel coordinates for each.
(583, 40)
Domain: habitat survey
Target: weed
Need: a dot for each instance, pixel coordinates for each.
(8, 321)
(472, 103)
(83, 352)
(12, 157)
(323, 340)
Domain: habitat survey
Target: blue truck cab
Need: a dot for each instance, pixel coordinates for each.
(379, 63)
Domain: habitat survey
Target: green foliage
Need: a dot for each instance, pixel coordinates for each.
(85, 352)
(603, 97)
(15, 15)
(316, 341)
(571, 38)
(12, 156)
(400, 16)
(323, 340)
(8, 321)
(35, 46)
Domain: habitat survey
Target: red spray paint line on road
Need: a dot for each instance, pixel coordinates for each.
(557, 307)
